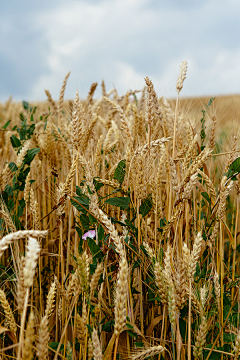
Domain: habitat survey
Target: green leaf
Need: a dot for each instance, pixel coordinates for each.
(16, 222)
(94, 248)
(25, 105)
(234, 168)
(92, 268)
(214, 355)
(108, 326)
(6, 125)
(84, 221)
(92, 219)
(9, 190)
(84, 200)
(229, 338)
(129, 326)
(30, 155)
(21, 179)
(97, 184)
(1, 229)
(80, 244)
(136, 264)
(100, 232)
(122, 202)
(183, 328)
(139, 344)
(54, 346)
(13, 167)
(131, 225)
(132, 334)
(206, 196)
(146, 205)
(120, 171)
(20, 211)
(15, 141)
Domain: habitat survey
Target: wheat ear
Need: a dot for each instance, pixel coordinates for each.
(43, 338)
(33, 251)
(29, 339)
(121, 296)
(154, 350)
(8, 239)
(236, 347)
(8, 312)
(51, 299)
(97, 351)
(95, 279)
(201, 338)
(21, 290)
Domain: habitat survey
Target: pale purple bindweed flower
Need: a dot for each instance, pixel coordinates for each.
(91, 234)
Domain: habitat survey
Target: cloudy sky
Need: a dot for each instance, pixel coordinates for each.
(120, 41)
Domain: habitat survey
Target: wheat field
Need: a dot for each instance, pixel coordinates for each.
(119, 226)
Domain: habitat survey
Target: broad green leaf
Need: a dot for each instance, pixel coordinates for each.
(92, 219)
(80, 244)
(15, 141)
(16, 222)
(83, 200)
(25, 105)
(132, 334)
(78, 206)
(234, 168)
(139, 344)
(108, 326)
(84, 221)
(131, 225)
(30, 155)
(136, 264)
(129, 326)
(120, 171)
(6, 125)
(20, 210)
(13, 167)
(9, 190)
(98, 185)
(206, 196)
(79, 191)
(54, 346)
(146, 205)
(183, 328)
(122, 202)
(100, 232)
(94, 248)
(214, 355)
(92, 268)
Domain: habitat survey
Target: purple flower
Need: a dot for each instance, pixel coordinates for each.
(91, 234)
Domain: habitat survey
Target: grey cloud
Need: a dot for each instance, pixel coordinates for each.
(120, 41)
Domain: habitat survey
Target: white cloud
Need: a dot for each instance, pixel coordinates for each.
(120, 41)
(126, 76)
